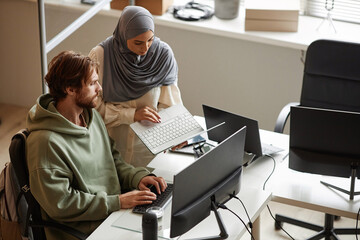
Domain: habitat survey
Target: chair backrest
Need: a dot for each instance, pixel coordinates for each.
(33, 225)
(30, 211)
(332, 76)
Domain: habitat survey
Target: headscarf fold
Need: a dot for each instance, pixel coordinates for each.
(128, 76)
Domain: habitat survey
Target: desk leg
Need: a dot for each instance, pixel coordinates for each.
(256, 228)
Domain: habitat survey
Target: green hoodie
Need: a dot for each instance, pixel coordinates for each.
(75, 173)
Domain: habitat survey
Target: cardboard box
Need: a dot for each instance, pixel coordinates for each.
(155, 7)
(275, 15)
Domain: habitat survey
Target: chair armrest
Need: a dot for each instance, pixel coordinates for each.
(283, 116)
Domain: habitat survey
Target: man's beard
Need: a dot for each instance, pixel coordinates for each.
(85, 102)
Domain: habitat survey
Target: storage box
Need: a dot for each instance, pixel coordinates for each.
(155, 7)
(275, 15)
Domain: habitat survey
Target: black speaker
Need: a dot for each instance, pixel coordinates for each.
(149, 226)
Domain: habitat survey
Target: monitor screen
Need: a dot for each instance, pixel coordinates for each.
(211, 178)
(324, 141)
(233, 122)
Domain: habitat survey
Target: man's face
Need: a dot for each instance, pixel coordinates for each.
(88, 94)
(141, 43)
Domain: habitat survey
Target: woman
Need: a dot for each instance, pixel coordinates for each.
(138, 73)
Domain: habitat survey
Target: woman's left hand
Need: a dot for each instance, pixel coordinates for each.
(147, 113)
(181, 145)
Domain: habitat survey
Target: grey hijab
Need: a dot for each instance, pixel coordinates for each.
(126, 75)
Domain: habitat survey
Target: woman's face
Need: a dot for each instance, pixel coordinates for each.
(141, 43)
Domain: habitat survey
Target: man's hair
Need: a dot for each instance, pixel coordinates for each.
(68, 69)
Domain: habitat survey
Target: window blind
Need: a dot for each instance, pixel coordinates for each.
(344, 10)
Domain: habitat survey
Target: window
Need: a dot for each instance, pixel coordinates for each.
(343, 10)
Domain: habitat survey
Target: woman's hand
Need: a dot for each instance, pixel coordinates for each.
(136, 197)
(147, 113)
(181, 145)
(158, 182)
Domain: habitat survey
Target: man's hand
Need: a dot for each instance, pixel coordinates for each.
(136, 197)
(147, 113)
(158, 182)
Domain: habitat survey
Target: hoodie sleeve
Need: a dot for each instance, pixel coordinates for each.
(52, 184)
(129, 176)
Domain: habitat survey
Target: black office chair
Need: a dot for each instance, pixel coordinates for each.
(332, 81)
(32, 225)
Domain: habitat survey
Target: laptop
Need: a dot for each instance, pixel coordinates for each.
(177, 125)
(234, 122)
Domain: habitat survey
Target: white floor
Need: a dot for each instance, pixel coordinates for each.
(268, 231)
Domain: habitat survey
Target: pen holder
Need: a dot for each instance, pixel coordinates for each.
(227, 9)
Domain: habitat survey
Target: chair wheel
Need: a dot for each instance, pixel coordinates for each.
(278, 225)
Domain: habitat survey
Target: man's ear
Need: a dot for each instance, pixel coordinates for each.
(70, 91)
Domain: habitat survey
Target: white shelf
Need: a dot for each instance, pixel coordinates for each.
(235, 28)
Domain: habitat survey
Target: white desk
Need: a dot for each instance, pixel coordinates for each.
(253, 199)
(284, 186)
(167, 165)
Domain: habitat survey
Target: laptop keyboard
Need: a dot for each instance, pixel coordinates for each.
(268, 149)
(161, 200)
(169, 131)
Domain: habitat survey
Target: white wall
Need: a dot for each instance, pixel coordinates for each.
(20, 68)
(247, 78)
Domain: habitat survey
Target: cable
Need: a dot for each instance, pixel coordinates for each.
(224, 207)
(357, 221)
(185, 12)
(271, 171)
(250, 223)
(278, 223)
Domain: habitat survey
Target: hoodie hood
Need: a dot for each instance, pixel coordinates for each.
(44, 116)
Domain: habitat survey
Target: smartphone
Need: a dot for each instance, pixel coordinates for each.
(188, 149)
(195, 140)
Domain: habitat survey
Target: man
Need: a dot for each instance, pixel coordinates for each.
(75, 173)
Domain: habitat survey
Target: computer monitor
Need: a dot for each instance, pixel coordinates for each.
(324, 141)
(234, 122)
(209, 181)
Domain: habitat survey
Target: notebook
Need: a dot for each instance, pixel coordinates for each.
(234, 122)
(177, 125)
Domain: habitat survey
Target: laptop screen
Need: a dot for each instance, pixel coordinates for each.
(233, 122)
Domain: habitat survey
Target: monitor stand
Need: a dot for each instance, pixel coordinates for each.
(223, 234)
(352, 192)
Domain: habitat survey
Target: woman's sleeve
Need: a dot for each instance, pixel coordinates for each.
(169, 96)
(113, 114)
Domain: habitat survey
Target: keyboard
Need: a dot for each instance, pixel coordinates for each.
(177, 126)
(268, 149)
(161, 200)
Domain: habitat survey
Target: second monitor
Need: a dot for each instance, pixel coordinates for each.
(208, 182)
(234, 122)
